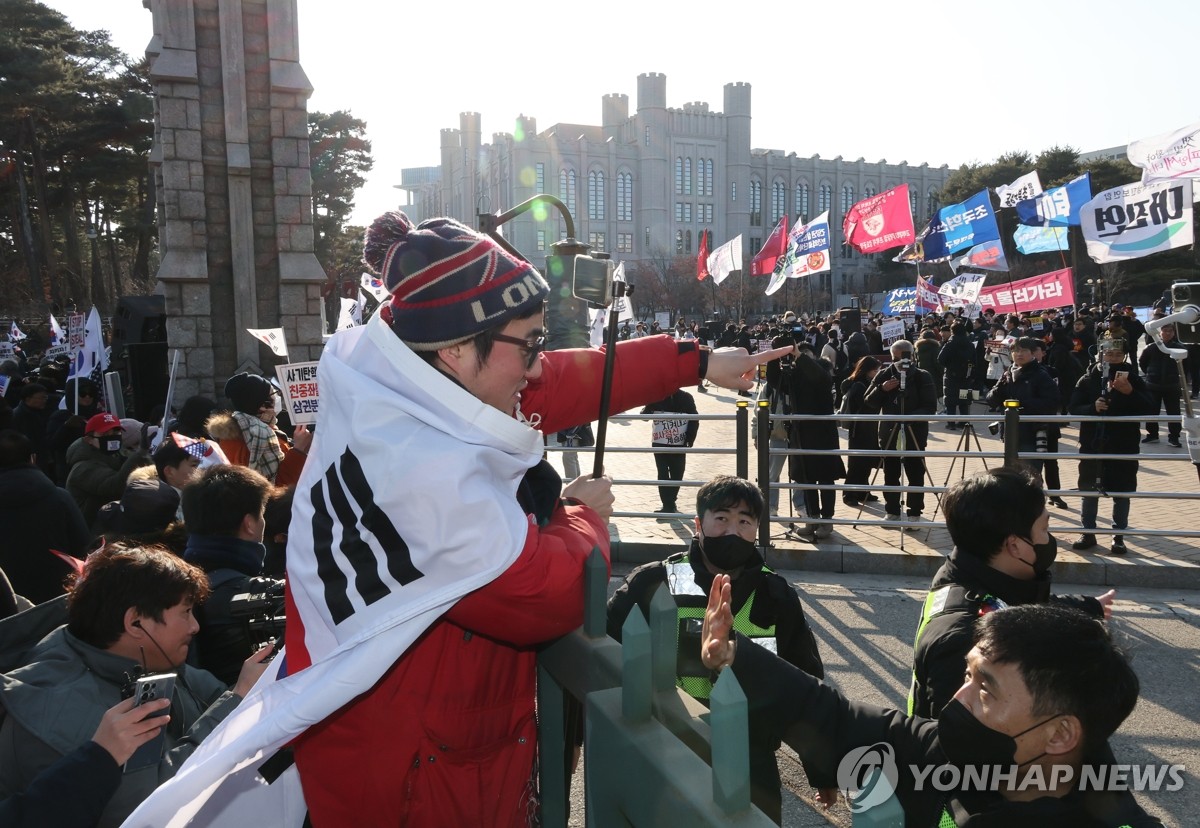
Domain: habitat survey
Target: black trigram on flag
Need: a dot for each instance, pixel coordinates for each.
(361, 557)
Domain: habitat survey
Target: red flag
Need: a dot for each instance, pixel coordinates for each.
(702, 256)
(880, 222)
(763, 262)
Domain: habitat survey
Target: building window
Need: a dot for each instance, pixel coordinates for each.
(596, 240)
(687, 212)
(566, 189)
(708, 177)
(755, 245)
(687, 242)
(825, 198)
(541, 240)
(596, 195)
(646, 140)
(733, 191)
(933, 202)
(678, 212)
(802, 199)
(687, 176)
(705, 213)
(647, 237)
(540, 184)
(678, 175)
(624, 197)
(870, 191)
(847, 198)
(756, 204)
(778, 201)
(679, 241)
(624, 242)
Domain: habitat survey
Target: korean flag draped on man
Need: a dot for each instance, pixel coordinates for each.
(370, 565)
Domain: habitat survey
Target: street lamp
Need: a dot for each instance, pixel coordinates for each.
(1092, 285)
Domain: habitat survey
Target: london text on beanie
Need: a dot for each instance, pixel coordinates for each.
(448, 283)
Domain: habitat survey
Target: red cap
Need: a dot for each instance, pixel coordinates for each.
(101, 423)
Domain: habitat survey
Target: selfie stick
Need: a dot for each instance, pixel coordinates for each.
(610, 359)
(1187, 315)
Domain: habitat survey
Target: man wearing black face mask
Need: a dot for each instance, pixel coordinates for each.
(98, 465)
(1045, 688)
(728, 511)
(1002, 557)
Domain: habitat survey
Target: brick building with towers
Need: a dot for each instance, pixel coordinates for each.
(648, 184)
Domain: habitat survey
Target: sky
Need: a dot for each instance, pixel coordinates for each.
(931, 81)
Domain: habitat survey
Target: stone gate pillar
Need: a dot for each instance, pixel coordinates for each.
(233, 186)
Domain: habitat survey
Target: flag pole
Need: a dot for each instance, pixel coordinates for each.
(610, 359)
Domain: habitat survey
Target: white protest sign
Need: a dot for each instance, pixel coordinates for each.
(300, 394)
(76, 323)
(891, 330)
(7, 351)
(668, 432)
(57, 350)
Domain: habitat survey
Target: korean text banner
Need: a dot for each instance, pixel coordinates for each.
(1138, 219)
(1050, 290)
(960, 226)
(927, 295)
(301, 394)
(1167, 156)
(880, 222)
(1058, 206)
(807, 252)
(1025, 187)
(986, 256)
(900, 300)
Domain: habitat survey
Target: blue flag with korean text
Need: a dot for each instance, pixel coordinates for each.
(1058, 206)
(960, 226)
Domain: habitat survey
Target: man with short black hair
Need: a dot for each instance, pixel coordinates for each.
(1028, 382)
(1045, 687)
(129, 612)
(1002, 555)
(223, 512)
(728, 513)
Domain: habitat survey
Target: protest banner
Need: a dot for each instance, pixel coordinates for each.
(1050, 290)
(301, 396)
(1136, 220)
(76, 325)
(891, 330)
(880, 221)
(960, 226)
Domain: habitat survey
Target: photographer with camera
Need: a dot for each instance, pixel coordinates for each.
(957, 358)
(1110, 387)
(807, 386)
(223, 512)
(1029, 382)
(898, 389)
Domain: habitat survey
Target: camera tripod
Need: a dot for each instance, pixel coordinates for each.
(961, 448)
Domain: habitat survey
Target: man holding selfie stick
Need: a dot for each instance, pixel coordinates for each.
(1111, 387)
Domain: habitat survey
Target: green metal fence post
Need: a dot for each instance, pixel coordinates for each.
(730, 745)
(635, 669)
(664, 640)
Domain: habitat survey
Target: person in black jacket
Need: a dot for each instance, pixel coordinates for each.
(1002, 557)
(957, 358)
(672, 432)
(38, 517)
(1028, 382)
(728, 512)
(809, 389)
(1162, 382)
(863, 435)
(223, 513)
(902, 388)
(1044, 689)
(1113, 387)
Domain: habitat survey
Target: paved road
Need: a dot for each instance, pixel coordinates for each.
(865, 625)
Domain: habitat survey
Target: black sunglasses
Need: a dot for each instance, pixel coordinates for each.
(531, 347)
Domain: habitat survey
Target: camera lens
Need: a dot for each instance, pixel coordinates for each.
(1181, 293)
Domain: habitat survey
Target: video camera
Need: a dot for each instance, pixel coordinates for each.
(261, 611)
(1183, 294)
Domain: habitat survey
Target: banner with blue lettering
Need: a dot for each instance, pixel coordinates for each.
(901, 301)
(1058, 206)
(960, 226)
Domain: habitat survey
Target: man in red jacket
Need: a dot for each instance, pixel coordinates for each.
(451, 382)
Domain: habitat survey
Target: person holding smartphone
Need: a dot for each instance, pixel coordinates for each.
(128, 614)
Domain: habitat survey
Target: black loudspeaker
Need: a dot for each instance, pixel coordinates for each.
(849, 320)
(139, 319)
(148, 378)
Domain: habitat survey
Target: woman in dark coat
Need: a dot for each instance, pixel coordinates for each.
(810, 391)
(863, 435)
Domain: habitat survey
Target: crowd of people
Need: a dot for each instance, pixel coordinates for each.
(424, 539)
